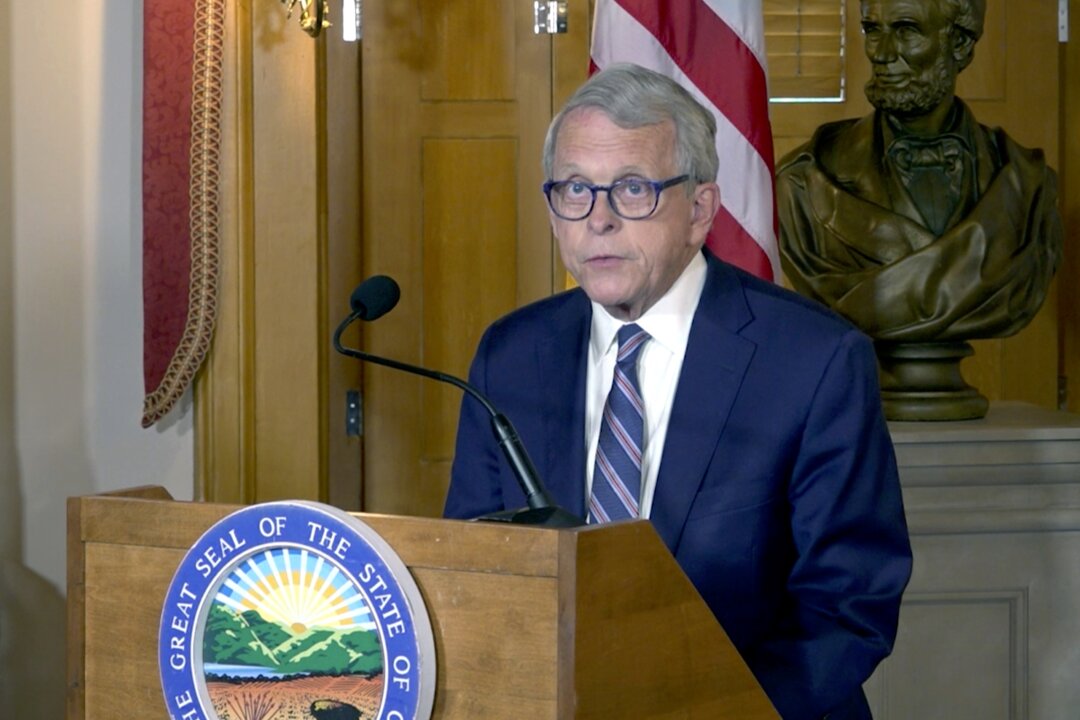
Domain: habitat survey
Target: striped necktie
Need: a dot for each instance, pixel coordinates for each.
(616, 484)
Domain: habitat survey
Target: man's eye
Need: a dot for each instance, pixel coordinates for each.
(632, 188)
(907, 30)
(576, 189)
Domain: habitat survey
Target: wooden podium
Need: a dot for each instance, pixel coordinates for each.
(529, 623)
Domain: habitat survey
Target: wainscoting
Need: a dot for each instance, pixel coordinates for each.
(990, 624)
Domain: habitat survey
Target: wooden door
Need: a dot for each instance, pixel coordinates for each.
(1012, 83)
(457, 96)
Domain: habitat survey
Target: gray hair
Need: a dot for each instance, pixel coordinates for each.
(968, 16)
(633, 97)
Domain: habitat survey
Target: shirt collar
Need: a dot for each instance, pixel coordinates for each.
(667, 321)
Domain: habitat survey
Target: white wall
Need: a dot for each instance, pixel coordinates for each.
(70, 313)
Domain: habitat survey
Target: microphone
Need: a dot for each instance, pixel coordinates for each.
(377, 296)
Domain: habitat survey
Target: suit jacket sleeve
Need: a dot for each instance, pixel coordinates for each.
(852, 554)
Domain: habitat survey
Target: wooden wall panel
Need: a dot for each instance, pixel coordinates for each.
(1068, 285)
(286, 265)
(1025, 102)
(985, 79)
(484, 69)
(466, 263)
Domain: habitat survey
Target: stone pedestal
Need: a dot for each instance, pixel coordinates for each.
(922, 381)
(990, 623)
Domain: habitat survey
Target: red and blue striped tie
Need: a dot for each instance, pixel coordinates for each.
(616, 485)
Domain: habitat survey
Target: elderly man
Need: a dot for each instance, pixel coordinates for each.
(742, 420)
(916, 222)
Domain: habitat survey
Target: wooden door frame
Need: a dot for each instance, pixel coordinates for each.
(270, 399)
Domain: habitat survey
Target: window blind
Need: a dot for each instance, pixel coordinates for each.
(804, 45)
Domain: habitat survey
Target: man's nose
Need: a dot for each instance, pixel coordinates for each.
(602, 219)
(882, 49)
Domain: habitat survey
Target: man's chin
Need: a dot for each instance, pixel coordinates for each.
(614, 298)
(911, 96)
(900, 102)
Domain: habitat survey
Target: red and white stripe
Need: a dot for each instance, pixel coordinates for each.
(716, 50)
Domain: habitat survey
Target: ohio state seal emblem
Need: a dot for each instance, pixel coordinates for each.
(294, 610)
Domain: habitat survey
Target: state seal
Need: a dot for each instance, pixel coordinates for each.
(295, 609)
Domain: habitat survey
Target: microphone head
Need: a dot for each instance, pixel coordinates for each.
(375, 297)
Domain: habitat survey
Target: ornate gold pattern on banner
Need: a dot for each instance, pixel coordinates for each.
(314, 14)
(206, 98)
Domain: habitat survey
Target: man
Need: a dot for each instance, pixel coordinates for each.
(916, 222)
(759, 453)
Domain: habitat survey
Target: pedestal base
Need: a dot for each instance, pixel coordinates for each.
(922, 381)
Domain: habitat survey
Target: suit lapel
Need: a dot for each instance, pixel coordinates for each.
(712, 372)
(563, 357)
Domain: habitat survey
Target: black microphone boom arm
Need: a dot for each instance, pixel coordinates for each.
(542, 510)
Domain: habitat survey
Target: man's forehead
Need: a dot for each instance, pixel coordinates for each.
(597, 114)
(603, 151)
(597, 127)
(893, 10)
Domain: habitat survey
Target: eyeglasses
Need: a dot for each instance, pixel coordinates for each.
(630, 198)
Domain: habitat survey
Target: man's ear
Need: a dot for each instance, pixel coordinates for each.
(703, 208)
(706, 203)
(963, 48)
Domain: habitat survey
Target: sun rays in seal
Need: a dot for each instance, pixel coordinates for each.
(296, 588)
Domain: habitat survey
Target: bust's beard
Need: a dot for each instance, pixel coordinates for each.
(918, 97)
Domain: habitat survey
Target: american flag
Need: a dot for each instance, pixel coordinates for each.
(716, 50)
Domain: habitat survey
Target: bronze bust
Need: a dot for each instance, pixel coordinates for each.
(921, 226)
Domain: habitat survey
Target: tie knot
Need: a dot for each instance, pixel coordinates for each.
(945, 152)
(631, 338)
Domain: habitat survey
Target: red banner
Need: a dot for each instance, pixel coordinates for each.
(182, 71)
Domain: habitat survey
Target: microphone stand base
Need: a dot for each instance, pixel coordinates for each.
(549, 516)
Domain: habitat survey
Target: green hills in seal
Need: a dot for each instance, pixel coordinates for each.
(246, 639)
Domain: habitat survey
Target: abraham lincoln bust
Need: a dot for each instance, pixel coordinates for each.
(920, 225)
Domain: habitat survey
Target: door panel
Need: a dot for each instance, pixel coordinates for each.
(457, 95)
(468, 261)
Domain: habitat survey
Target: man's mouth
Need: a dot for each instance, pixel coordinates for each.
(891, 79)
(603, 260)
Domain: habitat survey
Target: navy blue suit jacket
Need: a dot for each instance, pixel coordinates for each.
(777, 491)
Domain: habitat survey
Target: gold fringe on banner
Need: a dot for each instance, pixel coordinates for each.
(206, 98)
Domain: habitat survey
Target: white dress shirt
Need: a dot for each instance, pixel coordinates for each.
(658, 365)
